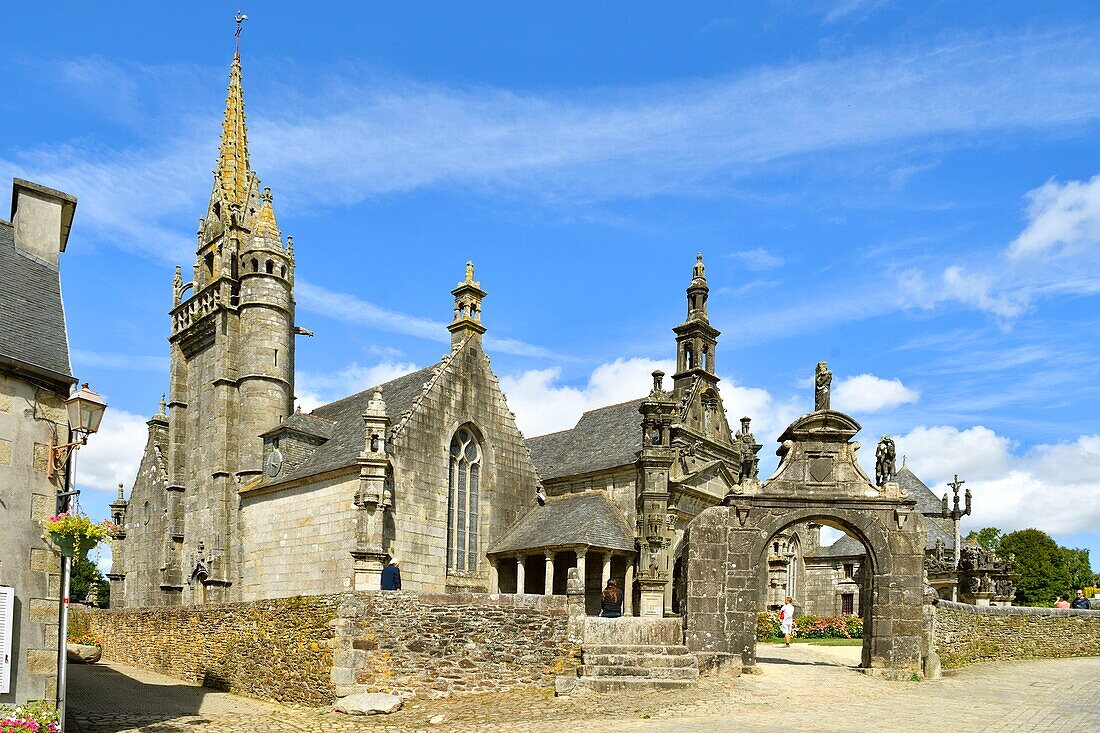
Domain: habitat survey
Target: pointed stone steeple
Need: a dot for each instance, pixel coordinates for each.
(696, 339)
(266, 226)
(233, 171)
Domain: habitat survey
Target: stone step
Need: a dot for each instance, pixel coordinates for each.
(567, 685)
(635, 649)
(662, 673)
(640, 660)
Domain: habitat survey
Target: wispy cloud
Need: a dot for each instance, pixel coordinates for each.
(123, 362)
(356, 311)
(344, 140)
(756, 259)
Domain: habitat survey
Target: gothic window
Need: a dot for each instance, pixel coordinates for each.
(849, 570)
(255, 265)
(282, 270)
(270, 267)
(209, 262)
(464, 484)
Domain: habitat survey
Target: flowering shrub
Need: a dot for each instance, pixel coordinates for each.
(83, 637)
(810, 627)
(75, 534)
(32, 717)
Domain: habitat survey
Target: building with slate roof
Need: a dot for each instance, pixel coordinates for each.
(658, 460)
(35, 379)
(240, 497)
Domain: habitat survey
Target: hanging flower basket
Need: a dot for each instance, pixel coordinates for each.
(75, 535)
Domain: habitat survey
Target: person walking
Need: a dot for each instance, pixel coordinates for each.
(1062, 602)
(786, 620)
(391, 576)
(611, 600)
(1080, 601)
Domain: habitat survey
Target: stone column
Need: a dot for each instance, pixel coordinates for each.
(494, 577)
(548, 585)
(520, 580)
(628, 590)
(606, 569)
(580, 565)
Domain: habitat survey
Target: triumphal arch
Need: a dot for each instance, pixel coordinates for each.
(725, 548)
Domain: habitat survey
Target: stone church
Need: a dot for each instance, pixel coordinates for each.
(240, 497)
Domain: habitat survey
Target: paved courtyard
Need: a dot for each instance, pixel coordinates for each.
(804, 688)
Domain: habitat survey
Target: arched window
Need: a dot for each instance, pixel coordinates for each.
(255, 265)
(270, 267)
(464, 483)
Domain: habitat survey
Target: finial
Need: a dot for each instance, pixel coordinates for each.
(266, 195)
(240, 18)
(658, 381)
(903, 460)
(163, 404)
(290, 247)
(469, 271)
(121, 491)
(699, 271)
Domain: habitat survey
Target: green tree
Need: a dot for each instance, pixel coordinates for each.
(87, 584)
(989, 537)
(1077, 565)
(1041, 564)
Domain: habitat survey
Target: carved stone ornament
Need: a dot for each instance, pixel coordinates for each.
(821, 468)
(742, 514)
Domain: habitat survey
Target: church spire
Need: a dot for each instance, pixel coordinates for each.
(233, 170)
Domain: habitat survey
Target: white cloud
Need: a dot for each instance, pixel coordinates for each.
(343, 140)
(868, 393)
(1063, 219)
(112, 455)
(756, 259)
(543, 406)
(1053, 487)
(314, 389)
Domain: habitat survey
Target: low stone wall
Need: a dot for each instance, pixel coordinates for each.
(965, 634)
(278, 649)
(433, 645)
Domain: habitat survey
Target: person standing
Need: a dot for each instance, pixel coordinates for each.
(786, 620)
(1062, 602)
(391, 576)
(1080, 601)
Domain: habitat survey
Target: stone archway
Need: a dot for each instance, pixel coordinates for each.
(818, 479)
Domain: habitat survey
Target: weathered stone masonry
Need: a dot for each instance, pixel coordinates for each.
(277, 649)
(966, 634)
(307, 650)
(434, 644)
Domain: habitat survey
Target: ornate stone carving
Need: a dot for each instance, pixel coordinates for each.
(885, 466)
(823, 380)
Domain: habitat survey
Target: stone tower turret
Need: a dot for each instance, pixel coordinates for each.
(467, 319)
(696, 339)
(232, 367)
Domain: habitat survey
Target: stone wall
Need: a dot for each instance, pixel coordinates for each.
(965, 634)
(29, 416)
(285, 530)
(435, 645)
(274, 649)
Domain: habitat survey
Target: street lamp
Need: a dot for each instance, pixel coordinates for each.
(85, 409)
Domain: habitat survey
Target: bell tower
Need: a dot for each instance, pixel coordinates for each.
(232, 366)
(467, 319)
(696, 339)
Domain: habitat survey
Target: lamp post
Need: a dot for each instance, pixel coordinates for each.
(85, 409)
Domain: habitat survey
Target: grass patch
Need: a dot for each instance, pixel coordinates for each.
(818, 642)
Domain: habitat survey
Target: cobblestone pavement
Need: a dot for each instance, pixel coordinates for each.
(804, 688)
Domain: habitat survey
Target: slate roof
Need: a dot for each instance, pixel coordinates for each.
(345, 418)
(587, 519)
(304, 422)
(603, 438)
(914, 488)
(32, 317)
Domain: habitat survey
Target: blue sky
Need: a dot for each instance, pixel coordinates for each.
(909, 194)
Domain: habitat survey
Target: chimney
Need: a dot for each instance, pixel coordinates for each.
(42, 218)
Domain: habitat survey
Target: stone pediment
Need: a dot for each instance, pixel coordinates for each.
(716, 478)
